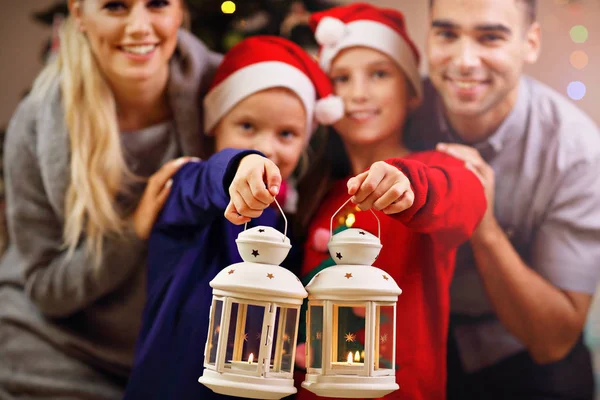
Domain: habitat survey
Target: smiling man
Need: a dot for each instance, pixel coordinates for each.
(523, 285)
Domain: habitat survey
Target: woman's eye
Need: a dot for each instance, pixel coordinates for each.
(114, 6)
(158, 3)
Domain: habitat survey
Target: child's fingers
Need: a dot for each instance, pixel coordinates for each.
(233, 216)
(392, 194)
(373, 179)
(272, 177)
(252, 203)
(381, 196)
(355, 182)
(261, 197)
(239, 201)
(403, 203)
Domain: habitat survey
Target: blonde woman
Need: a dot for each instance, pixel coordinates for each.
(89, 157)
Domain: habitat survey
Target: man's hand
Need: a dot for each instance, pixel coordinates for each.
(485, 173)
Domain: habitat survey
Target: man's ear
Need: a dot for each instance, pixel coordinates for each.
(533, 38)
(76, 12)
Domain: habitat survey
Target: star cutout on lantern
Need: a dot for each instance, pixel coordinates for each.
(339, 256)
(386, 277)
(270, 276)
(361, 233)
(383, 338)
(350, 337)
(245, 337)
(286, 338)
(231, 271)
(261, 230)
(255, 253)
(319, 335)
(348, 275)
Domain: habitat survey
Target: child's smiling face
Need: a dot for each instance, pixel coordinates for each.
(376, 96)
(272, 121)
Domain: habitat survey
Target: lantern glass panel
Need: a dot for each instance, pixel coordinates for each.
(282, 353)
(243, 339)
(315, 336)
(214, 330)
(384, 332)
(349, 325)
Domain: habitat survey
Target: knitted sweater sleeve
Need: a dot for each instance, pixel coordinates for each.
(58, 284)
(449, 199)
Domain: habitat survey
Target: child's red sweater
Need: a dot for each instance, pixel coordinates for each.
(419, 247)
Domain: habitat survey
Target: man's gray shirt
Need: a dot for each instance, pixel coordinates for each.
(546, 159)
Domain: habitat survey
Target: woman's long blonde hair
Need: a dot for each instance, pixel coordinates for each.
(97, 166)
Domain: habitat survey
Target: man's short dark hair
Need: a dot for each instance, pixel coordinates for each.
(530, 4)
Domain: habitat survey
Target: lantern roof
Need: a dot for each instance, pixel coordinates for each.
(263, 244)
(353, 282)
(354, 246)
(261, 281)
(355, 236)
(263, 234)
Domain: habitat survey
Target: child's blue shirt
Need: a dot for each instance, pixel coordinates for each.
(190, 243)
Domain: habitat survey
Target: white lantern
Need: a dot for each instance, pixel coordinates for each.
(351, 321)
(251, 344)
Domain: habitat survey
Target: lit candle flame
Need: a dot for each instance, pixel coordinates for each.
(357, 356)
(349, 359)
(250, 358)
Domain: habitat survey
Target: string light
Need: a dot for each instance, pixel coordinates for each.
(579, 59)
(576, 90)
(228, 7)
(579, 34)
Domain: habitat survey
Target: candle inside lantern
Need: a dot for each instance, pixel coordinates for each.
(249, 365)
(352, 361)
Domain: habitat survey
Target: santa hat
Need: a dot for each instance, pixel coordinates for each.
(364, 25)
(264, 62)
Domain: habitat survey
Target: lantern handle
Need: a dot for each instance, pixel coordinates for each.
(284, 220)
(340, 209)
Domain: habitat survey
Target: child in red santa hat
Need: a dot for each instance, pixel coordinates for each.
(265, 101)
(428, 202)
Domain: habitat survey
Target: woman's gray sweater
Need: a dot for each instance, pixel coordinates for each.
(91, 315)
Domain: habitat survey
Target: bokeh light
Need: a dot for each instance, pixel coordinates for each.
(576, 90)
(350, 220)
(579, 34)
(228, 7)
(579, 59)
